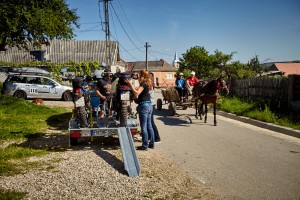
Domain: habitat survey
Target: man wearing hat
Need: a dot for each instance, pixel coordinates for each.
(181, 85)
(103, 90)
(191, 81)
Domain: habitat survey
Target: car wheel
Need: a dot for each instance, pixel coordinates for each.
(20, 94)
(67, 96)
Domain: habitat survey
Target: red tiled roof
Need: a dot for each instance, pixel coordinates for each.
(288, 68)
(153, 66)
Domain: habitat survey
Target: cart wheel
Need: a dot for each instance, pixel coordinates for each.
(159, 104)
(188, 119)
(172, 108)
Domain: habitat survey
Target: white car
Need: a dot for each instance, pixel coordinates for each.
(35, 86)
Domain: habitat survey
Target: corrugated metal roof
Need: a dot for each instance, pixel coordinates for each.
(288, 68)
(63, 51)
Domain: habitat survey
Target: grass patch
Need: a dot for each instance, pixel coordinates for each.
(254, 110)
(22, 119)
(11, 195)
(13, 159)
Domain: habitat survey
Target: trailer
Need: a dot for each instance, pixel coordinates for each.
(109, 127)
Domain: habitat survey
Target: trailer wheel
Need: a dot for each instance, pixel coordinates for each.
(123, 117)
(82, 117)
(172, 108)
(159, 104)
(73, 141)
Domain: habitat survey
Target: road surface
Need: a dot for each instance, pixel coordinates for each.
(237, 160)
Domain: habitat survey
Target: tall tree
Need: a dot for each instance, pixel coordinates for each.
(254, 65)
(221, 61)
(196, 59)
(35, 21)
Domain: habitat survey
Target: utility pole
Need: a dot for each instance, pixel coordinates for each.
(147, 54)
(107, 33)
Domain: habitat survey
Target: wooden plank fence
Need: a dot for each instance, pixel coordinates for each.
(278, 92)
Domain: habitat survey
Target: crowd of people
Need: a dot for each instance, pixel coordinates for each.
(144, 97)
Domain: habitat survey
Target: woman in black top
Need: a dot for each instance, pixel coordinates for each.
(144, 108)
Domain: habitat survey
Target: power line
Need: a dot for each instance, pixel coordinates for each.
(124, 29)
(89, 29)
(161, 53)
(114, 27)
(126, 50)
(138, 38)
(99, 7)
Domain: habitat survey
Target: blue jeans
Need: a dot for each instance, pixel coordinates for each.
(156, 133)
(145, 111)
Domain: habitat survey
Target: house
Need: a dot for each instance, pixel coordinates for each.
(64, 51)
(163, 72)
(287, 68)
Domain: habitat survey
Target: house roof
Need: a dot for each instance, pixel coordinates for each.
(287, 68)
(153, 66)
(63, 51)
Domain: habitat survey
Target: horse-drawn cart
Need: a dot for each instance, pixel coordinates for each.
(172, 98)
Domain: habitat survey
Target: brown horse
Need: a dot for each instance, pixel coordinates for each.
(207, 92)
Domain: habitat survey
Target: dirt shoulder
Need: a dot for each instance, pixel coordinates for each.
(94, 170)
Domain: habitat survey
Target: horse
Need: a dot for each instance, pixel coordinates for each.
(207, 92)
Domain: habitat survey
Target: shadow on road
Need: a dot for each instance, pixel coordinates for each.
(178, 119)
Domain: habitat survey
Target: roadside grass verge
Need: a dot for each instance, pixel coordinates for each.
(21, 121)
(11, 194)
(13, 159)
(254, 110)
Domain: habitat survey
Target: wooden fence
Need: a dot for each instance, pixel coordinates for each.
(277, 92)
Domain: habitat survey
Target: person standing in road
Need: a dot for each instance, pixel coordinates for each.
(144, 108)
(156, 133)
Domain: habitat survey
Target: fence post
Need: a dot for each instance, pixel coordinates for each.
(290, 89)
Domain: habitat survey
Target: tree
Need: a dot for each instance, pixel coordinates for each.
(240, 71)
(221, 61)
(254, 65)
(196, 59)
(35, 21)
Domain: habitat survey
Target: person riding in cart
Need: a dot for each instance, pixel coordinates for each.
(181, 86)
(191, 81)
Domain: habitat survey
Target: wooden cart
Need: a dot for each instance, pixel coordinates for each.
(171, 97)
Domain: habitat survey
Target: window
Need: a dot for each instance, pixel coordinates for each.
(169, 76)
(38, 55)
(46, 81)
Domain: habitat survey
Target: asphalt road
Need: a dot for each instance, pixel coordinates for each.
(237, 160)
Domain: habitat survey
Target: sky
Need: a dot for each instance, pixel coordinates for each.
(269, 29)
